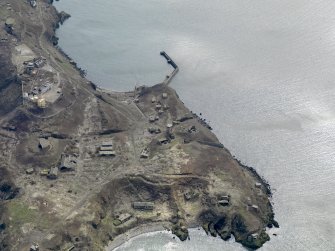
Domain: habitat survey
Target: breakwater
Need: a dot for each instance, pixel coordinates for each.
(173, 64)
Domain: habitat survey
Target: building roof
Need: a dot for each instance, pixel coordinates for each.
(124, 217)
(106, 148)
(107, 143)
(10, 21)
(144, 205)
(68, 162)
(44, 143)
(106, 153)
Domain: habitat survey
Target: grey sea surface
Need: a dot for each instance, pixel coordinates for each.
(262, 72)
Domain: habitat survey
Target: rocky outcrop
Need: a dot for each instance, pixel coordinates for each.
(63, 16)
(10, 84)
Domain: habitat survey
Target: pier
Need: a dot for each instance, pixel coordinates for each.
(173, 64)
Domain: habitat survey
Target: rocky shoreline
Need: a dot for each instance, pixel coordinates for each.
(176, 167)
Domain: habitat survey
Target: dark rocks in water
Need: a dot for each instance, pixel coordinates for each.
(63, 16)
(54, 40)
(180, 231)
(257, 241)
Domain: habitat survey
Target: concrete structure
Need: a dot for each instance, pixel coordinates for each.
(41, 103)
(39, 62)
(107, 153)
(106, 148)
(33, 3)
(53, 173)
(44, 172)
(44, 143)
(124, 217)
(223, 202)
(107, 143)
(258, 184)
(163, 140)
(68, 163)
(30, 171)
(154, 130)
(145, 154)
(164, 95)
(254, 208)
(34, 247)
(147, 206)
(10, 22)
(44, 88)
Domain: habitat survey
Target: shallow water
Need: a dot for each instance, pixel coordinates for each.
(262, 72)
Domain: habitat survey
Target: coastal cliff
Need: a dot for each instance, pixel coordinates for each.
(83, 166)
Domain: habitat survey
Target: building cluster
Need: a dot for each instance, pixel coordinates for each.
(37, 82)
(106, 149)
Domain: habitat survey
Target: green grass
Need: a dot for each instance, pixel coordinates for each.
(21, 214)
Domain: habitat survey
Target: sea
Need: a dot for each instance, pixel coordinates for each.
(261, 72)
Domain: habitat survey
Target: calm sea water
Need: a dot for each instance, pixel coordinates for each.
(262, 72)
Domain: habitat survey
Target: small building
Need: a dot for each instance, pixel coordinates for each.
(154, 130)
(106, 148)
(10, 22)
(152, 119)
(258, 185)
(44, 172)
(153, 100)
(68, 163)
(107, 144)
(34, 247)
(124, 217)
(225, 197)
(30, 171)
(144, 154)
(29, 68)
(33, 3)
(44, 88)
(39, 62)
(164, 95)
(223, 202)
(147, 206)
(9, 25)
(254, 208)
(107, 153)
(53, 173)
(41, 103)
(158, 106)
(163, 140)
(44, 143)
(254, 235)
